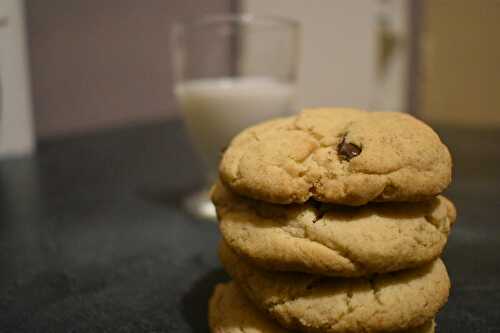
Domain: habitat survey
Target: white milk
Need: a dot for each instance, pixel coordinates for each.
(217, 109)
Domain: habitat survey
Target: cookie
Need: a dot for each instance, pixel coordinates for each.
(334, 240)
(313, 303)
(230, 312)
(342, 156)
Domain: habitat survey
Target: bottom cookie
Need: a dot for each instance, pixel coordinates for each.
(230, 312)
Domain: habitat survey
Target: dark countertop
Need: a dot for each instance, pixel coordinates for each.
(92, 237)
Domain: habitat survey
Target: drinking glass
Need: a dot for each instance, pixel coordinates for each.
(230, 72)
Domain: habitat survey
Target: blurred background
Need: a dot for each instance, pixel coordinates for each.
(95, 155)
(71, 67)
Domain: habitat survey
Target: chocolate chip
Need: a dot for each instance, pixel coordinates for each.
(348, 150)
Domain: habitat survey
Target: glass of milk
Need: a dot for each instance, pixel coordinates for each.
(231, 71)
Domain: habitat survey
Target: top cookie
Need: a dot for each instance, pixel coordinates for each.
(343, 156)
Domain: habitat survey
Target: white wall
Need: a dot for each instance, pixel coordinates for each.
(339, 52)
(16, 133)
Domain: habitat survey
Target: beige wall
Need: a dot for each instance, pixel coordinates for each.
(460, 78)
(103, 63)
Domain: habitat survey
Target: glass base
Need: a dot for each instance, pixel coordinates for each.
(199, 205)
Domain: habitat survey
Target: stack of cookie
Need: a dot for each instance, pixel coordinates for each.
(332, 222)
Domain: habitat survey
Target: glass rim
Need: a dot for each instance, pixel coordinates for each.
(260, 20)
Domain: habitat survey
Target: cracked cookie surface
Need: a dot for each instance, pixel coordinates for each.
(343, 156)
(231, 312)
(331, 239)
(312, 303)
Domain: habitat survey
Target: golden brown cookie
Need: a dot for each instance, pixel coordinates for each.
(334, 240)
(343, 156)
(230, 312)
(311, 303)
